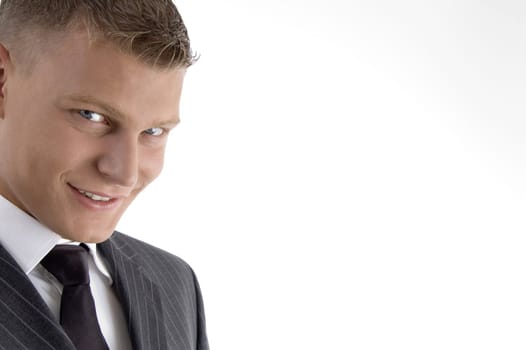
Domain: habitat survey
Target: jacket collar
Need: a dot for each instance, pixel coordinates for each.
(23, 313)
(139, 296)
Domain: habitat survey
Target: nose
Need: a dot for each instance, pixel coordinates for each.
(119, 161)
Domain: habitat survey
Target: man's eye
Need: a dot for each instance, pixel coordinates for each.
(154, 131)
(92, 116)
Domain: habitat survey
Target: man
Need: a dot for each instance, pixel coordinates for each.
(89, 91)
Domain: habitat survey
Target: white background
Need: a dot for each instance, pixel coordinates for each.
(350, 174)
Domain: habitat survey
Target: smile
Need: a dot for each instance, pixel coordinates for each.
(97, 201)
(94, 196)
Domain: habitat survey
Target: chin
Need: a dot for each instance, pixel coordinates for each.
(96, 237)
(89, 236)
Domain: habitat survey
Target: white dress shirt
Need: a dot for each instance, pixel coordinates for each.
(28, 241)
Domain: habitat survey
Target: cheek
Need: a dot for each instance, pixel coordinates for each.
(49, 150)
(151, 166)
(43, 134)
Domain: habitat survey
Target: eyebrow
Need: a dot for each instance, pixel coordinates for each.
(112, 111)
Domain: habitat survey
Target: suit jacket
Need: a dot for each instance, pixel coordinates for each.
(158, 292)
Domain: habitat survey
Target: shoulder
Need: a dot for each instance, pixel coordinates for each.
(155, 262)
(134, 247)
(179, 291)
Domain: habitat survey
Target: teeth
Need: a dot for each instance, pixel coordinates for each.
(94, 196)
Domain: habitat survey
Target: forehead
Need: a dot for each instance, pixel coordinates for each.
(74, 63)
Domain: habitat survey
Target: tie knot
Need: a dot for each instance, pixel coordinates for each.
(68, 263)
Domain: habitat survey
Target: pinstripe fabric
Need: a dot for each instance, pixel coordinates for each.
(158, 292)
(25, 320)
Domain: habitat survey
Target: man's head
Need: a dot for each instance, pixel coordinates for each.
(89, 92)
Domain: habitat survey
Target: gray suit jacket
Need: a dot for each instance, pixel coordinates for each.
(159, 294)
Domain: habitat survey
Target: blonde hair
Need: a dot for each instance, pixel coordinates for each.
(151, 30)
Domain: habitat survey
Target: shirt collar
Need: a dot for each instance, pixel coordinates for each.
(28, 241)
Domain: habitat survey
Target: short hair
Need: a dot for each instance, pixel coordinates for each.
(151, 30)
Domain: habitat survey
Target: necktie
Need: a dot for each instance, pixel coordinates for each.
(69, 264)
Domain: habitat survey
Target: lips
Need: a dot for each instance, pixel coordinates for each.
(97, 197)
(94, 196)
(97, 202)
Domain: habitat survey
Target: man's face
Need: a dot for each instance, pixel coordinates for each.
(83, 133)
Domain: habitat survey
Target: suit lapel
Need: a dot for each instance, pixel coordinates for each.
(25, 319)
(139, 297)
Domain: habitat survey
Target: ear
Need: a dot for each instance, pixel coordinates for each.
(5, 63)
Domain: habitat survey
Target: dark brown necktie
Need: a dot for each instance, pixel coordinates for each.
(69, 264)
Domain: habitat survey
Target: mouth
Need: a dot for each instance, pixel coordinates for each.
(96, 200)
(94, 196)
